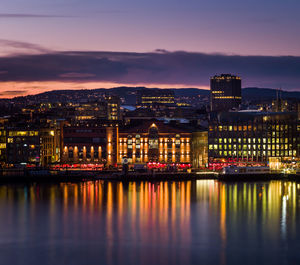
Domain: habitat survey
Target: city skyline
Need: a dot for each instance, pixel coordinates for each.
(149, 132)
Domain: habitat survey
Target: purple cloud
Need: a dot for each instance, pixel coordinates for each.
(76, 75)
(25, 46)
(160, 67)
(22, 15)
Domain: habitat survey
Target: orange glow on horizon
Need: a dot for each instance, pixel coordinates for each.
(15, 89)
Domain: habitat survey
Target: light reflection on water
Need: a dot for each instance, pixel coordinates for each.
(193, 222)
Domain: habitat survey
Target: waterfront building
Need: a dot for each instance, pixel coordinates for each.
(151, 97)
(253, 138)
(2, 145)
(199, 149)
(92, 142)
(23, 146)
(50, 144)
(153, 141)
(225, 92)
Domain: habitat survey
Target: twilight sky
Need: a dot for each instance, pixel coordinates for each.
(259, 40)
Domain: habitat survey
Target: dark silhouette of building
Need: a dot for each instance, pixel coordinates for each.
(225, 92)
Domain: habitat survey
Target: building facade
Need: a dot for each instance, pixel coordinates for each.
(200, 149)
(91, 110)
(152, 97)
(23, 146)
(225, 92)
(50, 145)
(154, 141)
(89, 143)
(113, 107)
(253, 138)
(2, 145)
(108, 108)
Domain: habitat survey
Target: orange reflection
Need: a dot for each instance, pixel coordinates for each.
(166, 214)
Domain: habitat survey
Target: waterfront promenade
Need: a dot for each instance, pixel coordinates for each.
(18, 175)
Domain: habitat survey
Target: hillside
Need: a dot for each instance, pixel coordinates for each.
(128, 94)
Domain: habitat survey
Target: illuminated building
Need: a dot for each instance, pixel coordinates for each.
(280, 105)
(253, 138)
(109, 109)
(50, 145)
(200, 149)
(154, 141)
(89, 142)
(2, 145)
(150, 97)
(91, 110)
(225, 92)
(113, 107)
(23, 146)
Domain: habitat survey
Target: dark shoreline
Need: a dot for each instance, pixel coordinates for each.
(134, 176)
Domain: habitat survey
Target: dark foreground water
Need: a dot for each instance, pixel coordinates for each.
(194, 222)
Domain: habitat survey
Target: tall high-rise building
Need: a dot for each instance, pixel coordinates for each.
(225, 92)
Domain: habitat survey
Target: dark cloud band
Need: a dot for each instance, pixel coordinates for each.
(156, 68)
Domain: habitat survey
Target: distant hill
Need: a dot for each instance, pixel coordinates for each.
(128, 94)
(255, 93)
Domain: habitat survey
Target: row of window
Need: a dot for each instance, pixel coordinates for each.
(256, 153)
(259, 127)
(161, 140)
(249, 147)
(23, 133)
(81, 155)
(255, 140)
(102, 131)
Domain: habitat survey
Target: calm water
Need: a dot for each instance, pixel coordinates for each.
(195, 222)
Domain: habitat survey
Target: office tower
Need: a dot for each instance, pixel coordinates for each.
(225, 92)
(23, 146)
(253, 138)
